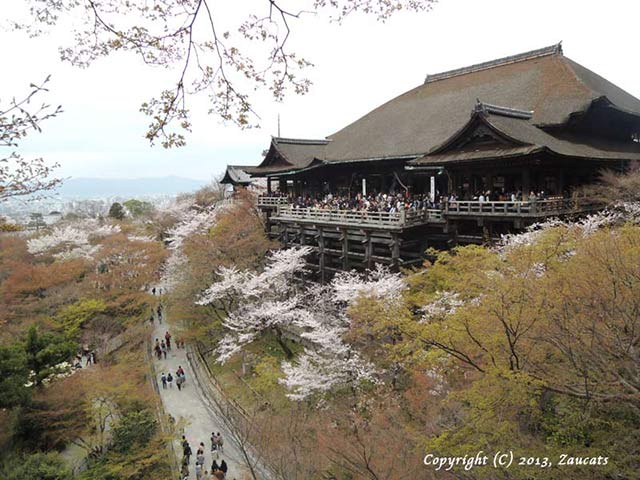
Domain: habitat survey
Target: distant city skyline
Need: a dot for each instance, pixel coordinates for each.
(359, 66)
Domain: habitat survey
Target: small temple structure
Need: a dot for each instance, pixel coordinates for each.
(470, 154)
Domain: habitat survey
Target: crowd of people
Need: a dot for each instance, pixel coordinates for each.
(219, 468)
(218, 471)
(395, 202)
(383, 202)
(167, 379)
(162, 347)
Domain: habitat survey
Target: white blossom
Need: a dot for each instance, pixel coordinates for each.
(379, 283)
(277, 299)
(193, 221)
(59, 237)
(84, 251)
(538, 269)
(529, 237)
(72, 241)
(140, 238)
(313, 373)
(445, 303)
(592, 223)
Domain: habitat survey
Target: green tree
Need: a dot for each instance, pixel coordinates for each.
(46, 352)
(73, 317)
(138, 208)
(35, 466)
(116, 211)
(134, 429)
(14, 376)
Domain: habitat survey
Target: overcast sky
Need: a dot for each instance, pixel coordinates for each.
(358, 65)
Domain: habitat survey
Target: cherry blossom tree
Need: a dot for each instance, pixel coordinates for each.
(20, 177)
(66, 242)
(277, 301)
(192, 220)
(214, 52)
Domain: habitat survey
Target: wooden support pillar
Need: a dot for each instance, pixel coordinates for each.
(301, 234)
(345, 250)
(368, 251)
(268, 185)
(267, 221)
(395, 250)
(321, 254)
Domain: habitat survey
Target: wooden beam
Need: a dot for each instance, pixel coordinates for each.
(395, 250)
(368, 251)
(345, 250)
(321, 258)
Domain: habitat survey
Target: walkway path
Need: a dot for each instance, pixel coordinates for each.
(190, 407)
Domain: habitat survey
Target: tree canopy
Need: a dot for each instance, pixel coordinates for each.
(20, 177)
(214, 51)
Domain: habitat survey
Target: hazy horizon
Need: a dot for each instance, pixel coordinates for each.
(101, 132)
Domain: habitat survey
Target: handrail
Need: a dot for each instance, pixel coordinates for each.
(527, 208)
(410, 217)
(267, 201)
(359, 217)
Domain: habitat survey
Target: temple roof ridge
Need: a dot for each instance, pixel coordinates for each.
(300, 141)
(520, 57)
(482, 107)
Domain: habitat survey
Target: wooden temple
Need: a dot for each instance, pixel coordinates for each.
(536, 123)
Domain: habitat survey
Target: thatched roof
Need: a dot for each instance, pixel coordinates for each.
(544, 83)
(238, 174)
(518, 137)
(287, 154)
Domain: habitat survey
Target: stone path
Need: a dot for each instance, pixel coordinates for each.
(190, 407)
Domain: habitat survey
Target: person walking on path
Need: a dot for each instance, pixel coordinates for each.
(178, 380)
(163, 347)
(184, 470)
(170, 380)
(214, 443)
(200, 455)
(220, 443)
(163, 379)
(186, 451)
(199, 471)
(180, 376)
(157, 349)
(224, 467)
(167, 337)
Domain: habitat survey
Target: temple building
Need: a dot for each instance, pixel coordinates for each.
(487, 149)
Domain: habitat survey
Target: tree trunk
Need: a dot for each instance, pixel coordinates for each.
(281, 341)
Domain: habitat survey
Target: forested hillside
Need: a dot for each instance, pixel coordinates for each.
(528, 346)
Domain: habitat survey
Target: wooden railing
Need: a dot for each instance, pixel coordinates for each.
(407, 218)
(532, 208)
(267, 201)
(359, 217)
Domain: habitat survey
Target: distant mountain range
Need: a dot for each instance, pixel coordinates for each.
(85, 188)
